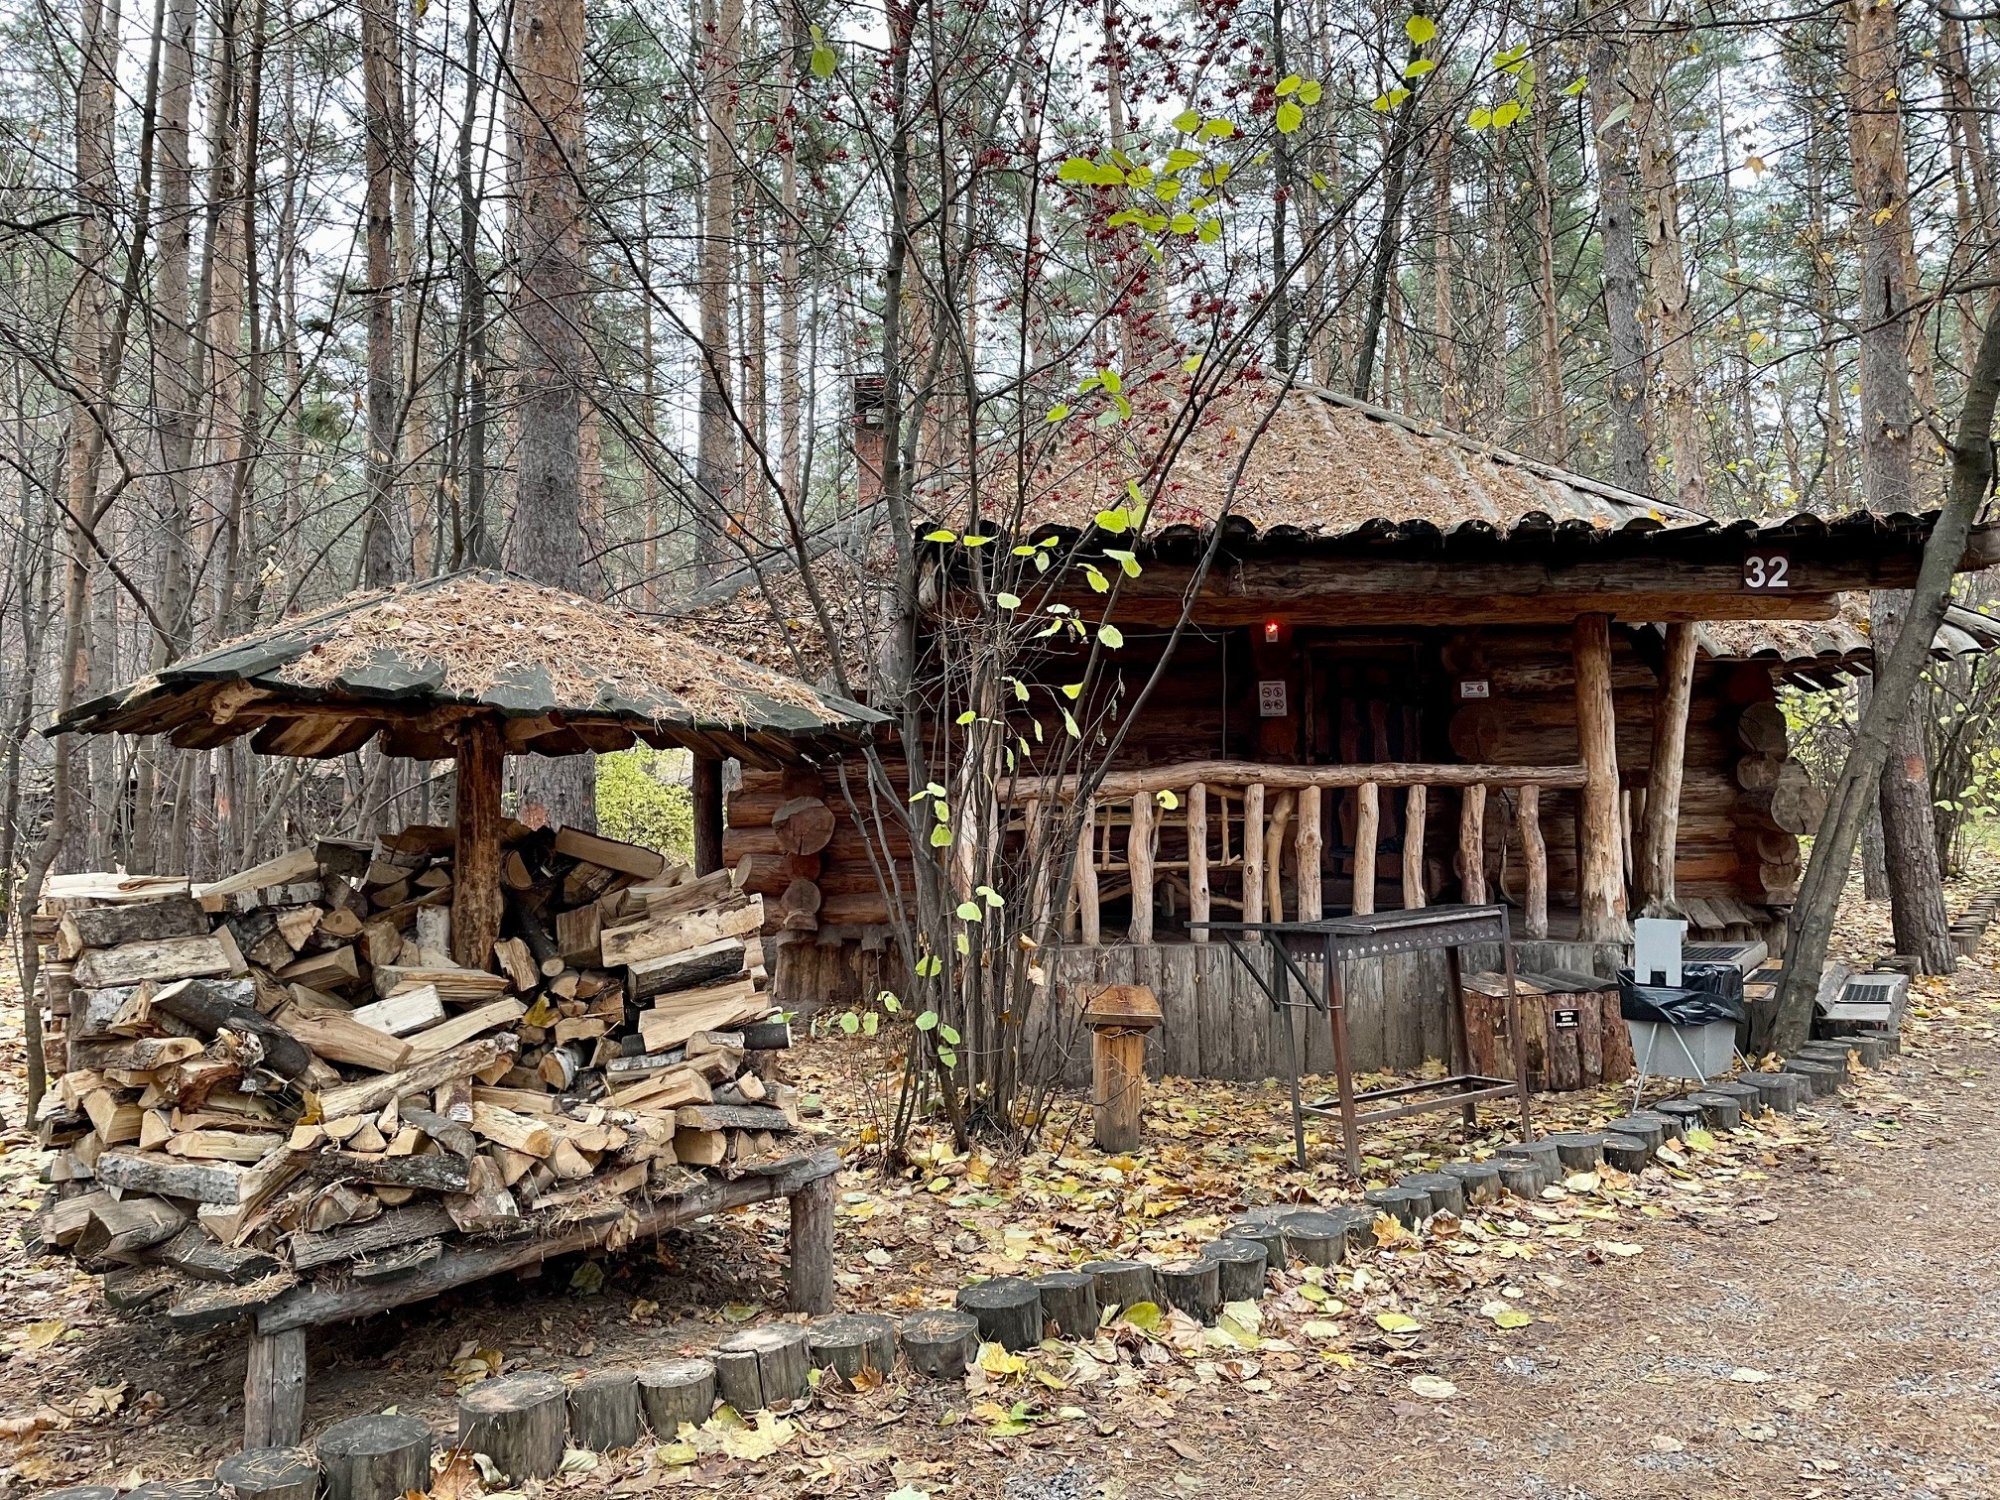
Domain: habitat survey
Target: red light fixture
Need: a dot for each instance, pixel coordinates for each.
(1271, 632)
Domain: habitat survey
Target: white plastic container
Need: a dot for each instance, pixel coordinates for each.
(1702, 1052)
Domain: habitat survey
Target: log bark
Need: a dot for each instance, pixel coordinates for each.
(518, 1421)
(1601, 885)
(1416, 808)
(1118, 1087)
(1193, 1286)
(1069, 1303)
(269, 1473)
(375, 1458)
(1200, 896)
(1239, 1267)
(1472, 845)
(810, 1276)
(762, 1368)
(1535, 861)
(1008, 1308)
(274, 1390)
(604, 1411)
(851, 1343)
(1121, 1283)
(1316, 1239)
(1659, 839)
(940, 1344)
(476, 902)
(680, 1391)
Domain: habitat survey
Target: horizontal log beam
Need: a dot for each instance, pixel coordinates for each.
(1225, 773)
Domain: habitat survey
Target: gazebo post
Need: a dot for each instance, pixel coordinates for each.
(476, 902)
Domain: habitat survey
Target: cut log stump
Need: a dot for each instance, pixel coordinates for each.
(1718, 1111)
(375, 1458)
(1239, 1268)
(274, 1389)
(848, 1343)
(269, 1474)
(1445, 1192)
(175, 1489)
(1749, 1098)
(1822, 1078)
(1522, 1176)
(763, 1367)
(1578, 1150)
(1892, 1042)
(1627, 1153)
(1069, 1303)
(518, 1421)
(1779, 1091)
(1685, 1115)
(82, 1492)
(1121, 1283)
(1651, 1133)
(1478, 1181)
(1317, 1239)
(1544, 1154)
(604, 1411)
(940, 1344)
(681, 1390)
(811, 1273)
(1407, 1206)
(1009, 1310)
(1194, 1286)
(1265, 1232)
(1672, 1127)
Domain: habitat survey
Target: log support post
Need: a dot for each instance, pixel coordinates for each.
(274, 1389)
(1367, 831)
(1535, 862)
(1416, 807)
(1472, 845)
(811, 1276)
(1139, 861)
(1091, 926)
(1311, 845)
(706, 792)
(1253, 852)
(1600, 881)
(1274, 854)
(1660, 829)
(476, 901)
(1199, 902)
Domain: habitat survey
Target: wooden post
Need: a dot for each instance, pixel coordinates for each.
(1139, 861)
(1311, 846)
(1600, 883)
(1091, 928)
(1472, 845)
(1416, 808)
(476, 901)
(1274, 855)
(1199, 905)
(1535, 859)
(1119, 1018)
(1367, 827)
(274, 1389)
(811, 1277)
(1660, 830)
(706, 790)
(1253, 852)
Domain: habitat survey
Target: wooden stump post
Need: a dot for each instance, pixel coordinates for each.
(682, 1390)
(1316, 1239)
(1264, 1232)
(1119, 1018)
(1194, 1286)
(848, 1343)
(1090, 920)
(1535, 860)
(274, 1389)
(1009, 1311)
(811, 1272)
(269, 1474)
(1200, 897)
(1478, 1180)
(1472, 844)
(1253, 852)
(1311, 847)
(518, 1421)
(1121, 1283)
(940, 1344)
(1601, 883)
(705, 788)
(604, 1411)
(1416, 808)
(1367, 829)
(1239, 1268)
(476, 901)
(763, 1367)
(1139, 864)
(1660, 828)
(1069, 1301)
(375, 1458)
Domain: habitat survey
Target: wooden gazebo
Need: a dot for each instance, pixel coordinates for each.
(473, 667)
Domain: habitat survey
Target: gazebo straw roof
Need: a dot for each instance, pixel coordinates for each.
(563, 675)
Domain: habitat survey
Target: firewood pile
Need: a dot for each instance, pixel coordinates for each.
(283, 1074)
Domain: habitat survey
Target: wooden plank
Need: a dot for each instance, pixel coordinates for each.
(401, 1014)
(627, 859)
(1247, 773)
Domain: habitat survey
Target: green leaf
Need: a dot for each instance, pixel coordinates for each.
(965, 718)
(1420, 29)
(1180, 159)
(1112, 382)
(990, 896)
(940, 535)
(1116, 521)
(1577, 87)
(1290, 117)
(1070, 690)
(928, 967)
(824, 60)
(1077, 169)
(1125, 560)
(929, 1019)
(1110, 637)
(1309, 91)
(1056, 414)
(1167, 799)
(850, 1023)
(1008, 601)
(968, 911)
(949, 1037)
(946, 1057)
(1506, 114)
(1096, 579)
(963, 944)
(1480, 118)
(1184, 224)
(1289, 84)
(1218, 129)
(940, 837)
(888, 1001)
(1187, 122)
(1144, 1316)
(1069, 723)
(1419, 67)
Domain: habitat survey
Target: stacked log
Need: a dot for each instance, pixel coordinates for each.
(283, 1075)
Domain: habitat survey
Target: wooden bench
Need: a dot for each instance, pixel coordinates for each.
(274, 1386)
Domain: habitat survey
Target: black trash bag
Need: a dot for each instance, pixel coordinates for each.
(1706, 993)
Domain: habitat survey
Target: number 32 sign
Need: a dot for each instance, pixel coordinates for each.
(1764, 571)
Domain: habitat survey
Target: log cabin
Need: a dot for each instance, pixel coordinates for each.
(1417, 668)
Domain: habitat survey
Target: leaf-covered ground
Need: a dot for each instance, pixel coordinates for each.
(1810, 1309)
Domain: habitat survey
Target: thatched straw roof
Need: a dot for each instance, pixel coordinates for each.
(564, 674)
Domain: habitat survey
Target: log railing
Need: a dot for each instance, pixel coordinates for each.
(1239, 816)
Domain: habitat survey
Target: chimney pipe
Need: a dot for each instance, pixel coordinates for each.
(869, 400)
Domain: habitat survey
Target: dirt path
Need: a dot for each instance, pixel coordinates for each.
(1831, 1327)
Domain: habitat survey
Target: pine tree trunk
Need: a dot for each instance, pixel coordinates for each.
(1631, 450)
(715, 446)
(1888, 433)
(381, 91)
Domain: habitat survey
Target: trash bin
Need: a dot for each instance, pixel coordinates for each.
(1688, 1029)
